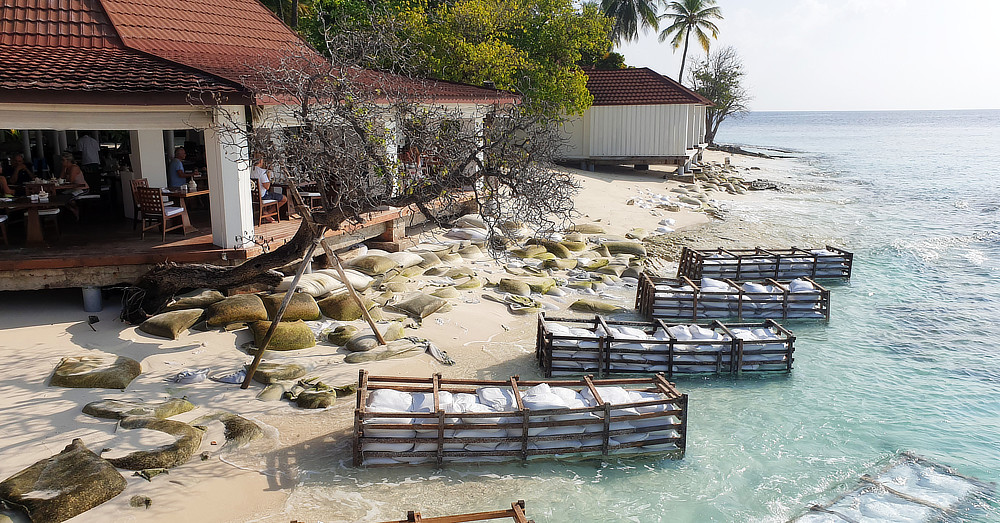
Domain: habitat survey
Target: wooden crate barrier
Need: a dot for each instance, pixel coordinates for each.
(685, 299)
(600, 347)
(758, 263)
(515, 514)
(653, 419)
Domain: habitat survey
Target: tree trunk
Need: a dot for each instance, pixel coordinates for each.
(293, 18)
(166, 280)
(687, 40)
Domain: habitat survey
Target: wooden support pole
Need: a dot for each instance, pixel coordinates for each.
(277, 317)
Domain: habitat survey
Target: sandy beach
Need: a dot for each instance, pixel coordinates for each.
(254, 483)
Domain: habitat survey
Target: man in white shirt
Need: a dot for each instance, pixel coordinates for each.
(90, 149)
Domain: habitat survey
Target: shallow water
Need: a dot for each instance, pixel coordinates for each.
(909, 360)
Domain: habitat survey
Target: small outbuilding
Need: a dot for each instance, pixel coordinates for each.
(639, 117)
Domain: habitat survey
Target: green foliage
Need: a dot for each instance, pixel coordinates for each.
(528, 46)
(607, 62)
(629, 17)
(687, 16)
(720, 79)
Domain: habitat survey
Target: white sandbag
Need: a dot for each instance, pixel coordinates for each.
(479, 408)
(388, 433)
(390, 400)
(612, 395)
(405, 259)
(568, 444)
(700, 333)
(424, 401)
(754, 287)
(637, 396)
(382, 461)
(632, 333)
(800, 286)
(541, 397)
(582, 333)
(462, 233)
(500, 400)
(471, 221)
(315, 284)
(462, 401)
(557, 329)
(358, 280)
(387, 447)
(709, 283)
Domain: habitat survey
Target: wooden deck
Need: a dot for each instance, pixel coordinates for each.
(102, 251)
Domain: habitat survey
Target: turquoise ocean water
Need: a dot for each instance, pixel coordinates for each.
(909, 361)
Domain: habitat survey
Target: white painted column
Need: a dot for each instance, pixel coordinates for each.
(147, 157)
(229, 179)
(62, 141)
(168, 145)
(39, 145)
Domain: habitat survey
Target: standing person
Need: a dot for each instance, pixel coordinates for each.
(90, 150)
(176, 176)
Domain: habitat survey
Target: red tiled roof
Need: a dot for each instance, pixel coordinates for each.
(225, 38)
(71, 45)
(158, 46)
(638, 86)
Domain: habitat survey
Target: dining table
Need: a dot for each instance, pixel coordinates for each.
(32, 220)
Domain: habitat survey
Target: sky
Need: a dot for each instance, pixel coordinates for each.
(843, 55)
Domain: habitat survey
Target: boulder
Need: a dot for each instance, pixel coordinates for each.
(167, 456)
(242, 308)
(372, 264)
(341, 335)
(600, 307)
(195, 300)
(171, 324)
(420, 305)
(316, 399)
(121, 409)
(98, 372)
(516, 287)
(268, 373)
(367, 342)
(301, 307)
(288, 335)
(63, 486)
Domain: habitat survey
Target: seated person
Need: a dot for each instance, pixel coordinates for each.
(18, 173)
(71, 173)
(176, 176)
(5, 190)
(261, 174)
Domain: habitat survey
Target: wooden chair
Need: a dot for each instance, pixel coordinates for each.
(264, 208)
(136, 211)
(155, 214)
(311, 198)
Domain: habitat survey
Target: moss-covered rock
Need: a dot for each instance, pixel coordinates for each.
(301, 307)
(239, 431)
(63, 486)
(171, 324)
(288, 335)
(97, 372)
(236, 309)
(167, 456)
(121, 409)
(342, 334)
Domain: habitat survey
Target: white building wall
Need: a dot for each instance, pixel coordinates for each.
(575, 136)
(638, 130)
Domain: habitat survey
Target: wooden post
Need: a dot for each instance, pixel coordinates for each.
(306, 214)
(277, 318)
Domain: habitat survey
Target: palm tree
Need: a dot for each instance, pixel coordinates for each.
(687, 16)
(629, 17)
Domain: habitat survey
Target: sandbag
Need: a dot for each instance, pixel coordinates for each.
(516, 287)
(372, 265)
(446, 292)
(316, 284)
(405, 259)
(575, 246)
(624, 247)
(529, 251)
(301, 307)
(343, 307)
(556, 248)
(586, 228)
(429, 260)
(195, 300)
(291, 335)
(236, 309)
(357, 279)
(420, 305)
(171, 324)
(342, 334)
(473, 221)
(588, 305)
